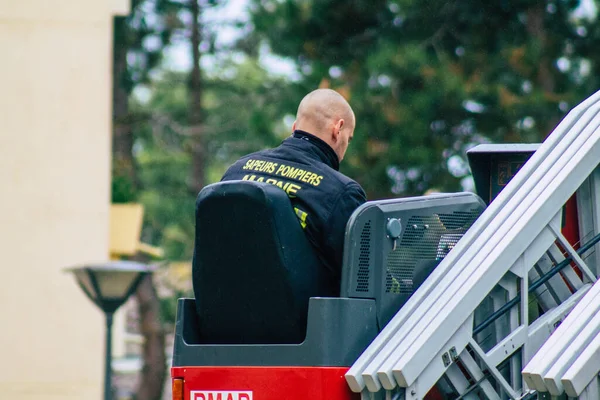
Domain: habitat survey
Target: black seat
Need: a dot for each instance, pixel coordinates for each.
(253, 268)
(254, 271)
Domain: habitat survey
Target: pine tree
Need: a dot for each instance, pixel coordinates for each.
(430, 79)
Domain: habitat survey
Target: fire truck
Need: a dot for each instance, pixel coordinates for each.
(486, 295)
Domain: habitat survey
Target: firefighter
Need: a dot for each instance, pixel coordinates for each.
(306, 167)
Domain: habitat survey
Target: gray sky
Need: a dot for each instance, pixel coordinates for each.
(178, 55)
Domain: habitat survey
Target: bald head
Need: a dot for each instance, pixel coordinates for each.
(327, 115)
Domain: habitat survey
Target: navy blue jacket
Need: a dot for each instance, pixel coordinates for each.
(323, 198)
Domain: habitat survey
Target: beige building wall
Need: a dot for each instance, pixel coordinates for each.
(55, 99)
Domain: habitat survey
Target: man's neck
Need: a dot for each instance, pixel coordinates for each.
(324, 148)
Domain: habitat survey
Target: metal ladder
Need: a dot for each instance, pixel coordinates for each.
(514, 250)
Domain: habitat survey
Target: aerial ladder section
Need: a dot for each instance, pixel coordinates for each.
(569, 361)
(471, 322)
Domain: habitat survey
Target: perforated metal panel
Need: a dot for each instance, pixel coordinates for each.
(431, 227)
(425, 238)
(364, 260)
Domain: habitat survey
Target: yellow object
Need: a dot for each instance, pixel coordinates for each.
(125, 228)
(153, 251)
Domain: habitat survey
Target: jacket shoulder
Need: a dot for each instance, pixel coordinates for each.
(344, 180)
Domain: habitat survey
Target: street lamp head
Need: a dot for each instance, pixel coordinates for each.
(110, 284)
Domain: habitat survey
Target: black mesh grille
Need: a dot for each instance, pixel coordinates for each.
(364, 259)
(425, 238)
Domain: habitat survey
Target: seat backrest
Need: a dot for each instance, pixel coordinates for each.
(253, 268)
(430, 226)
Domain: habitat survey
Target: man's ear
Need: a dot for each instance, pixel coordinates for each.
(337, 127)
(294, 126)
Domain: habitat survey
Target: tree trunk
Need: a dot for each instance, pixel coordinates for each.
(153, 374)
(122, 145)
(198, 142)
(535, 27)
(544, 78)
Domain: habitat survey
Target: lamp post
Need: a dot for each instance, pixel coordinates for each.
(109, 285)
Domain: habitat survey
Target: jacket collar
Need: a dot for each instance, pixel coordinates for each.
(316, 146)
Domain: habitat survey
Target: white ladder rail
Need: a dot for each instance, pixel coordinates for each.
(373, 356)
(570, 358)
(509, 235)
(533, 335)
(376, 356)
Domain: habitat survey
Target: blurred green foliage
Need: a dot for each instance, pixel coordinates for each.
(427, 80)
(242, 116)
